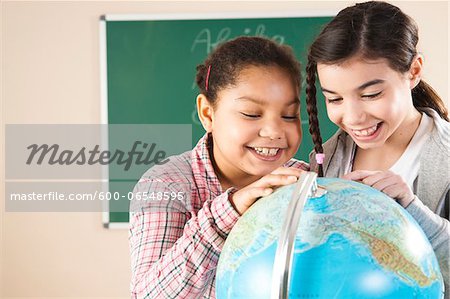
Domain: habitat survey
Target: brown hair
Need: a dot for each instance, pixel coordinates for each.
(223, 66)
(373, 30)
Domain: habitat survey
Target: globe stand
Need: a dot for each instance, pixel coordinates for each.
(305, 187)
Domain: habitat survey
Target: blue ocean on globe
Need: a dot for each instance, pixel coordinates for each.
(352, 242)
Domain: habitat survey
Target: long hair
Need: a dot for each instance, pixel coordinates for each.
(371, 30)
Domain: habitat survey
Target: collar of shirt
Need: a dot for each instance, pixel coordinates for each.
(204, 175)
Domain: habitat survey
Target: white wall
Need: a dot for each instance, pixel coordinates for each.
(50, 74)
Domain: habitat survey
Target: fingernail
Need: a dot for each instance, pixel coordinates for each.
(267, 191)
(292, 178)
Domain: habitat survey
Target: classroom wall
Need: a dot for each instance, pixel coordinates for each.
(50, 75)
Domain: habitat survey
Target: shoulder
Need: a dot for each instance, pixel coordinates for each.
(433, 185)
(333, 144)
(171, 180)
(336, 140)
(441, 133)
(175, 168)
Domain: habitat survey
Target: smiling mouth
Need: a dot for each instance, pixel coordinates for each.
(367, 132)
(266, 151)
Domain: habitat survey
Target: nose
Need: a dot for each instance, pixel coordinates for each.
(272, 129)
(354, 113)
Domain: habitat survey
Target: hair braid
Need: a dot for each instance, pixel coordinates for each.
(311, 107)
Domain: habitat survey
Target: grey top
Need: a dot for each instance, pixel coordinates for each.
(430, 208)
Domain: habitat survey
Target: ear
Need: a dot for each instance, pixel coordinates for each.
(415, 71)
(205, 112)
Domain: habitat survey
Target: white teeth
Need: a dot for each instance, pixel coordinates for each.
(365, 132)
(266, 151)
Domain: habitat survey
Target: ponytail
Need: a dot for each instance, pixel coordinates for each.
(424, 96)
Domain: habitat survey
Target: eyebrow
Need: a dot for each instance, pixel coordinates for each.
(361, 87)
(256, 101)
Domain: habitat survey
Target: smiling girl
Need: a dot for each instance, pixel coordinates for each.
(394, 130)
(249, 106)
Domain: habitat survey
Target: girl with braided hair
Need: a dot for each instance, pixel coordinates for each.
(393, 128)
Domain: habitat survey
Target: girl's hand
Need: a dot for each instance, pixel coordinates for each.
(387, 182)
(245, 197)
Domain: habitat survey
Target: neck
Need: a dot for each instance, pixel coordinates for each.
(228, 180)
(376, 158)
(237, 182)
(403, 135)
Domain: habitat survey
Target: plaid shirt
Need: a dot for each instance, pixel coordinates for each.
(175, 245)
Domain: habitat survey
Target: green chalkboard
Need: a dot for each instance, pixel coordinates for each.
(150, 67)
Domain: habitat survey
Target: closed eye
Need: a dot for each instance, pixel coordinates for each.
(334, 101)
(250, 115)
(371, 96)
(291, 117)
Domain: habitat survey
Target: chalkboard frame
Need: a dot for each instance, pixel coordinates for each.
(167, 17)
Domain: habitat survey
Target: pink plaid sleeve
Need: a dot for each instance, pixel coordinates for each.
(174, 253)
(297, 164)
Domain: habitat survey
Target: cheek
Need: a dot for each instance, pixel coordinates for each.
(396, 102)
(238, 129)
(388, 109)
(299, 132)
(294, 133)
(333, 114)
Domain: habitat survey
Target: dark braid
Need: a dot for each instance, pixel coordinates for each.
(311, 107)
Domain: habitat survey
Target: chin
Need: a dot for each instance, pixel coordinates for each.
(368, 145)
(363, 146)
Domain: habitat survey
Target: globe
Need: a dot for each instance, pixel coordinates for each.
(351, 242)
